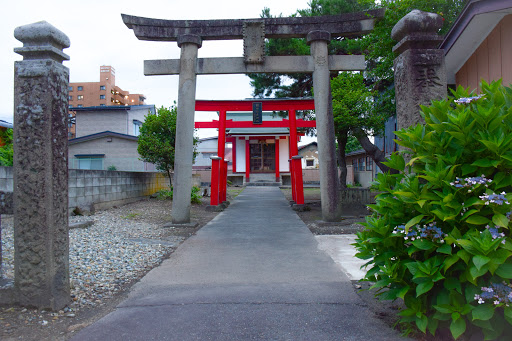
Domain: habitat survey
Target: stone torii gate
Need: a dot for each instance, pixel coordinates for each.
(189, 35)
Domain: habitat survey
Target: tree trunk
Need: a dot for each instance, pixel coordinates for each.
(373, 151)
(342, 137)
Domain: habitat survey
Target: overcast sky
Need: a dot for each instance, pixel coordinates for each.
(99, 37)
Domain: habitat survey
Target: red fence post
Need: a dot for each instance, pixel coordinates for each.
(214, 192)
(299, 187)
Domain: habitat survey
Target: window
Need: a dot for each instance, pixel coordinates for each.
(103, 105)
(80, 97)
(361, 164)
(95, 163)
(369, 163)
(102, 96)
(79, 88)
(70, 88)
(354, 164)
(136, 127)
(70, 98)
(102, 87)
(310, 163)
(80, 105)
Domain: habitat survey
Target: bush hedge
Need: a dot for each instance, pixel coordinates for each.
(439, 237)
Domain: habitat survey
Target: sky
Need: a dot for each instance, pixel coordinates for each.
(99, 37)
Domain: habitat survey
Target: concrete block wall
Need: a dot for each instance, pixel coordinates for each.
(99, 189)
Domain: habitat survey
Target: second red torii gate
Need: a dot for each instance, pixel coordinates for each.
(219, 165)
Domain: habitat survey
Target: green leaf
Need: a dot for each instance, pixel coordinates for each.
(476, 219)
(485, 163)
(482, 312)
(500, 220)
(457, 328)
(422, 323)
(432, 325)
(504, 271)
(423, 244)
(480, 261)
(452, 283)
(444, 308)
(445, 248)
(508, 314)
(414, 221)
(423, 288)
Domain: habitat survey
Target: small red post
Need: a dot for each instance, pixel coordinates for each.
(278, 178)
(233, 153)
(214, 195)
(223, 180)
(247, 161)
(299, 184)
(292, 179)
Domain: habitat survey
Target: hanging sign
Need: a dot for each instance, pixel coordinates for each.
(257, 113)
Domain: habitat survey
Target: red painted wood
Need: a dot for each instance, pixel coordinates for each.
(247, 161)
(300, 123)
(267, 105)
(214, 192)
(299, 184)
(277, 159)
(233, 153)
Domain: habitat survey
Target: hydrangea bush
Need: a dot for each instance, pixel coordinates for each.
(439, 235)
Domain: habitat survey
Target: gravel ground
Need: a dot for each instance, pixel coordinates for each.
(106, 258)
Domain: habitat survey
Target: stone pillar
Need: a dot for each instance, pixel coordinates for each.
(324, 125)
(40, 168)
(183, 156)
(420, 73)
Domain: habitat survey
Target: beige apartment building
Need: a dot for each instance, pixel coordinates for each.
(102, 93)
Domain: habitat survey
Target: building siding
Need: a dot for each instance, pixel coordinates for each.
(491, 61)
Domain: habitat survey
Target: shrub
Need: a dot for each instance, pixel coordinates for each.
(439, 234)
(112, 168)
(165, 194)
(195, 195)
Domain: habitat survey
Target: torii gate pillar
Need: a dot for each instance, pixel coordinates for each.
(183, 156)
(325, 125)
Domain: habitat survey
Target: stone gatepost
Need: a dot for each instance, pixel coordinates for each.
(40, 168)
(183, 156)
(420, 74)
(324, 125)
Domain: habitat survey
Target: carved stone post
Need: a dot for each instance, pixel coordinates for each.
(183, 156)
(41, 168)
(420, 74)
(324, 125)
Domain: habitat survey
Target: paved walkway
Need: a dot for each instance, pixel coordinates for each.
(255, 272)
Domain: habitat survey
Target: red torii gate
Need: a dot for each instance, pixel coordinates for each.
(219, 165)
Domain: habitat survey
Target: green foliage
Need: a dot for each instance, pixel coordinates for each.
(352, 145)
(157, 139)
(6, 151)
(439, 236)
(195, 196)
(166, 194)
(112, 168)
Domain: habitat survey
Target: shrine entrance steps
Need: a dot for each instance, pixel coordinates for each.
(263, 179)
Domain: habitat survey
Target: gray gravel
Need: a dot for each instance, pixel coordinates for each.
(105, 257)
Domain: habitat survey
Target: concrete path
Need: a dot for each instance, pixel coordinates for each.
(255, 272)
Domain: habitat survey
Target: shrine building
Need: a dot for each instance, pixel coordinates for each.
(264, 143)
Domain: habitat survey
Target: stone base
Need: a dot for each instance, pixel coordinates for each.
(301, 208)
(81, 225)
(215, 208)
(225, 204)
(191, 225)
(7, 292)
